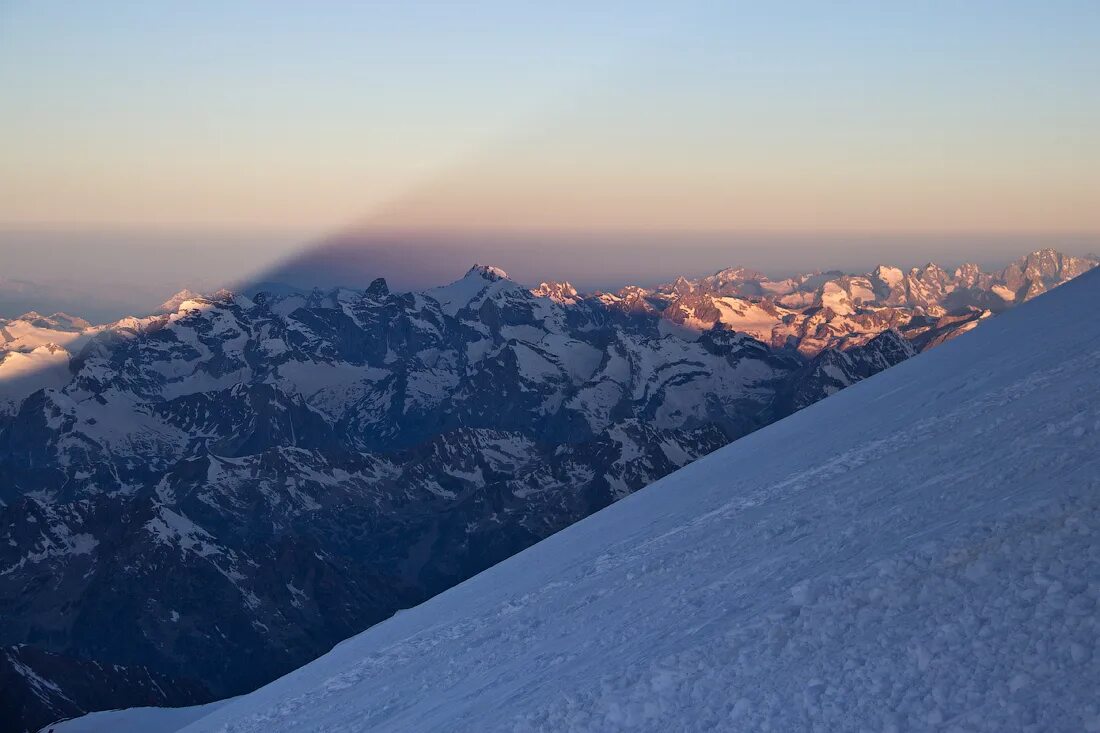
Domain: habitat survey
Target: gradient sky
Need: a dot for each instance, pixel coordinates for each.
(788, 116)
(292, 120)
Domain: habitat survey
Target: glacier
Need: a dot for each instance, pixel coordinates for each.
(918, 552)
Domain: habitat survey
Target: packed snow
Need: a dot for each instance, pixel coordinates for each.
(136, 720)
(892, 276)
(918, 552)
(747, 317)
(22, 373)
(482, 282)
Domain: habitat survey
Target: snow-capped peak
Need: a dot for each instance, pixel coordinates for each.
(562, 292)
(58, 320)
(892, 276)
(488, 272)
(480, 282)
(173, 304)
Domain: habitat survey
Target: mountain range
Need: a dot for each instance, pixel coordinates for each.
(197, 501)
(917, 553)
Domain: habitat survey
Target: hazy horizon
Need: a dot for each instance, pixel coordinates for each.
(104, 273)
(151, 147)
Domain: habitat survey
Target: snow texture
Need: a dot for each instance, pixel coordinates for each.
(137, 720)
(918, 552)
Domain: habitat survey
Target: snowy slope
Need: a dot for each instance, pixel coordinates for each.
(254, 479)
(921, 551)
(145, 720)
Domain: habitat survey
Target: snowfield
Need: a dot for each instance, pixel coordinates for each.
(918, 552)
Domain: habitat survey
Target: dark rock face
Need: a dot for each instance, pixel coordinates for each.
(224, 492)
(831, 371)
(38, 688)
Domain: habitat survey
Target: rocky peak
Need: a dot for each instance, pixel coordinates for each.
(562, 292)
(487, 272)
(172, 304)
(731, 274)
(968, 274)
(57, 321)
(682, 286)
(888, 274)
(480, 283)
(931, 272)
(378, 288)
(1042, 269)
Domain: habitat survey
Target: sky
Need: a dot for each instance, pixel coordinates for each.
(252, 130)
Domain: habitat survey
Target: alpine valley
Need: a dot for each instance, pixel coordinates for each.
(195, 502)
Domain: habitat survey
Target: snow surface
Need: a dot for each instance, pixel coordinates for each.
(840, 299)
(480, 283)
(747, 317)
(31, 332)
(892, 276)
(136, 720)
(919, 552)
(23, 373)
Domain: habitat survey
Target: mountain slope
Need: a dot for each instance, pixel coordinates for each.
(245, 481)
(943, 572)
(38, 685)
